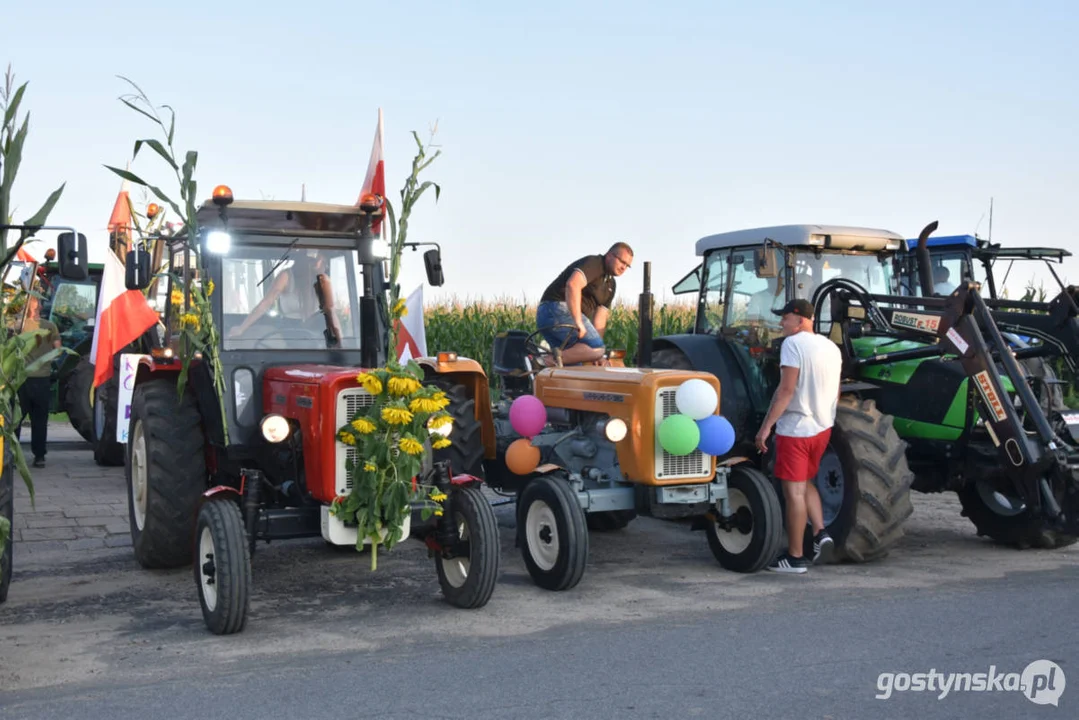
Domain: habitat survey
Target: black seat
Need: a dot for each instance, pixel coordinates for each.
(508, 354)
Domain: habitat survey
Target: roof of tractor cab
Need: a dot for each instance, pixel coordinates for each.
(982, 248)
(838, 237)
(285, 217)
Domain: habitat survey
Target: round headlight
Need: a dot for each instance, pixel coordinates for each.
(275, 428)
(443, 430)
(615, 429)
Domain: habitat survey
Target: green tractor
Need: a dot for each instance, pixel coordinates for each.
(909, 402)
(1043, 331)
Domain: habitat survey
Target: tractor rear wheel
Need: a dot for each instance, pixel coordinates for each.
(465, 454)
(7, 511)
(468, 580)
(1006, 519)
(552, 533)
(864, 482)
(757, 519)
(107, 451)
(166, 473)
(78, 399)
(222, 566)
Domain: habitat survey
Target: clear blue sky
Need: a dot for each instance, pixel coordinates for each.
(568, 126)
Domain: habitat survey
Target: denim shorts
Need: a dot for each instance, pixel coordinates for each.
(549, 314)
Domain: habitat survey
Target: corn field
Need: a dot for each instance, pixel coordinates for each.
(469, 329)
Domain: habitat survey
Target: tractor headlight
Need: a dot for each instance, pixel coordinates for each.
(274, 428)
(615, 429)
(218, 242)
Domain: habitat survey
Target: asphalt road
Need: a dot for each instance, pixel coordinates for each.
(803, 655)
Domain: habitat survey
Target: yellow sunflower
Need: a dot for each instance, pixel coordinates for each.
(396, 415)
(403, 385)
(346, 438)
(410, 445)
(441, 443)
(369, 467)
(400, 308)
(190, 320)
(438, 496)
(370, 383)
(363, 425)
(424, 405)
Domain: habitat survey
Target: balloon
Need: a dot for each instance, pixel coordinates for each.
(521, 457)
(528, 415)
(679, 435)
(717, 435)
(696, 399)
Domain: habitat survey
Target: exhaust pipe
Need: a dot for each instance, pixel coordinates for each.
(925, 260)
(644, 320)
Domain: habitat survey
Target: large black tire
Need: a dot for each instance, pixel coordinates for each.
(758, 519)
(7, 511)
(465, 454)
(468, 581)
(107, 451)
(166, 473)
(1006, 520)
(610, 520)
(552, 533)
(222, 566)
(876, 482)
(78, 397)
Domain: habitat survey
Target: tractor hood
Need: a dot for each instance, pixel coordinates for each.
(596, 388)
(310, 374)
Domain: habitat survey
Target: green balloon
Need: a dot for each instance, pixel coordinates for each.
(679, 434)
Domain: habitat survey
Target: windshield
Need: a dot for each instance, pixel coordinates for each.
(73, 307)
(810, 272)
(268, 307)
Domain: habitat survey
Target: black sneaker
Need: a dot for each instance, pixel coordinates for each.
(39, 462)
(823, 545)
(784, 563)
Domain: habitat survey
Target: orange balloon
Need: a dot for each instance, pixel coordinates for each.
(521, 457)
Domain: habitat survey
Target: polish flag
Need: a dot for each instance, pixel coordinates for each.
(122, 316)
(375, 182)
(24, 256)
(411, 336)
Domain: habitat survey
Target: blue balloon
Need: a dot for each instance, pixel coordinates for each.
(717, 435)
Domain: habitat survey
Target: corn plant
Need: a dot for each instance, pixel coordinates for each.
(15, 345)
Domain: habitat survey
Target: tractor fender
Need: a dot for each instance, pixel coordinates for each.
(219, 490)
(741, 396)
(469, 373)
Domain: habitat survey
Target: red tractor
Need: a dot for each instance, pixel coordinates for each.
(211, 473)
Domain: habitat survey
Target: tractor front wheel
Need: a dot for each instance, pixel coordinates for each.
(465, 454)
(107, 451)
(755, 526)
(553, 533)
(468, 579)
(1006, 519)
(222, 566)
(166, 473)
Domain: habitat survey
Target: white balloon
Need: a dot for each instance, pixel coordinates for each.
(696, 398)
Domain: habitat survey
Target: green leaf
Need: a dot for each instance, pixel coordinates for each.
(137, 109)
(42, 215)
(157, 147)
(20, 464)
(190, 160)
(13, 104)
(128, 175)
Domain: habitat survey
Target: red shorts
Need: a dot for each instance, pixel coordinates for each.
(798, 458)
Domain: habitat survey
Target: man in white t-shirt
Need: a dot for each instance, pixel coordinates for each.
(802, 413)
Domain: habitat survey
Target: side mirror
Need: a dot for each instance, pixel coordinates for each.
(72, 253)
(432, 261)
(766, 263)
(137, 269)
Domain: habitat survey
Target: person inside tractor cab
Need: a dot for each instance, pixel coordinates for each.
(293, 290)
(941, 278)
(578, 303)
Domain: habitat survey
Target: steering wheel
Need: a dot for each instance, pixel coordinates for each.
(534, 349)
(838, 285)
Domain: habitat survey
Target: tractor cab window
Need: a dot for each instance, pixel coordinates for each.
(811, 271)
(273, 303)
(73, 310)
(752, 298)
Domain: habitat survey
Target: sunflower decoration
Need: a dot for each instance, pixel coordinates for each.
(389, 440)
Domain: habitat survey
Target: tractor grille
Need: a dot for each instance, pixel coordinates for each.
(694, 465)
(349, 402)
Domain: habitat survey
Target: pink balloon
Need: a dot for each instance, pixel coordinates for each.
(528, 415)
